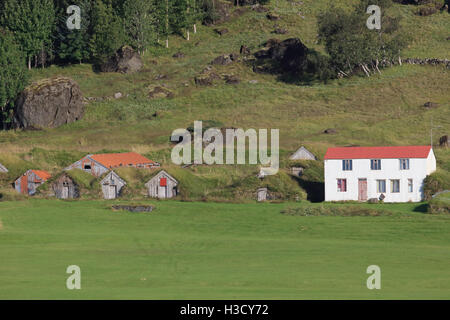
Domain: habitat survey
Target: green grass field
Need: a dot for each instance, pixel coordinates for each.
(193, 250)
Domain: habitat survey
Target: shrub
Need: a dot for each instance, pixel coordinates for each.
(436, 182)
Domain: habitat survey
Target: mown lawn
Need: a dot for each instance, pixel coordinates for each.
(194, 250)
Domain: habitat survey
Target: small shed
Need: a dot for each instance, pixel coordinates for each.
(302, 154)
(3, 168)
(262, 194)
(162, 186)
(112, 184)
(30, 181)
(65, 187)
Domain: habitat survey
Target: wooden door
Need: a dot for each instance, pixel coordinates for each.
(162, 192)
(65, 192)
(362, 189)
(112, 192)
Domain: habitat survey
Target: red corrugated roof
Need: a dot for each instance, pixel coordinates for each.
(110, 160)
(378, 152)
(44, 175)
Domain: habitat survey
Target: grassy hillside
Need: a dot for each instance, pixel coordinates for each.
(385, 109)
(219, 251)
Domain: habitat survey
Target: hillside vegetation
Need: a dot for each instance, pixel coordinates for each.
(385, 109)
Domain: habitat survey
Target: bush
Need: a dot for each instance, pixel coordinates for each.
(440, 204)
(436, 182)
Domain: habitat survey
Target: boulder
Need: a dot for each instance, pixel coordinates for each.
(231, 79)
(280, 31)
(178, 55)
(244, 50)
(118, 95)
(206, 79)
(273, 16)
(291, 54)
(49, 103)
(330, 131)
(125, 60)
(223, 60)
(159, 92)
(221, 31)
(288, 56)
(430, 105)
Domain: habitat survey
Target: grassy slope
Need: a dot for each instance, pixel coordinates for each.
(385, 109)
(206, 250)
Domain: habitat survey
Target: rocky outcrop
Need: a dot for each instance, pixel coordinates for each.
(160, 92)
(125, 60)
(288, 56)
(49, 103)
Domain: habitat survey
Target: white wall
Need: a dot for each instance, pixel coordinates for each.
(390, 169)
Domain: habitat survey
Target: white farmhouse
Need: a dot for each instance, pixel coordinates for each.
(394, 174)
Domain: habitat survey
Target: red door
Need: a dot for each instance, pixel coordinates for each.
(362, 189)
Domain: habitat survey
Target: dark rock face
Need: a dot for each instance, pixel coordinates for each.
(49, 103)
(288, 56)
(291, 54)
(125, 60)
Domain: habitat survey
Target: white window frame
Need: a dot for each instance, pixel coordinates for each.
(392, 186)
(410, 185)
(347, 165)
(404, 164)
(378, 185)
(337, 184)
(375, 164)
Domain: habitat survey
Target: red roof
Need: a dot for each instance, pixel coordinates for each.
(44, 175)
(110, 160)
(378, 152)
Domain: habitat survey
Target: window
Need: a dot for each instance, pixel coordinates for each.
(395, 186)
(87, 167)
(381, 186)
(375, 164)
(404, 164)
(410, 185)
(347, 165)
(342, 185)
